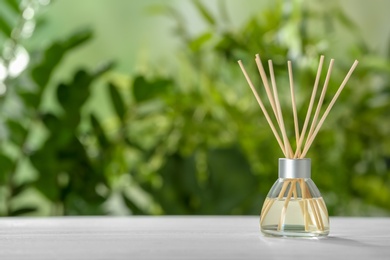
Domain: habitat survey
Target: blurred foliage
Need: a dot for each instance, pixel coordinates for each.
(46, 141)
(193, 140)
(217, 154)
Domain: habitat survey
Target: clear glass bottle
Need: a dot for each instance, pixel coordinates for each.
(294, 206)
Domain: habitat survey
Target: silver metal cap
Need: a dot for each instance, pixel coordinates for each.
(294, 168)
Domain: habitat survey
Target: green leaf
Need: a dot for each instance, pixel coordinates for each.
(198, 43)
(30, 99)
(73, 96)
(46, 162)
(132, 206)
(140, 91)
(22, 211)
(6, 166)
(17, 132)
(132, 144)
(20, 189)
(103, 68)
(117, 102)
(99, 132)
(52, 122)
(144, 90)
(5, 28)
(204, 12)
(53, 55)
(77, 39)
(13, 5)
(41, 74)
(63, 95)
(228, 44)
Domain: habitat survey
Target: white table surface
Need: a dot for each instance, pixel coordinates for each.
(184, 238)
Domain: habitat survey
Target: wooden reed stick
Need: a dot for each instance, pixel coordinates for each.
(284, 209)
(322, 206)
(293, 104)
(318, 214)
(310, 141)
(301, 201)
(295, 192)
(264, 78)
(265, 205)
(279, 110)
(266, 208)
(321, 100)
(266, 202)
(262, 107)
(314, 215)
(313, 94)
(302, 206)
(305, 214)
(283, 190)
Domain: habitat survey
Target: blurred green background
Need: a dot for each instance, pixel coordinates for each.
(139, 107)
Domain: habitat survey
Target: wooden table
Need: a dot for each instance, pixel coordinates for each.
(184, 238)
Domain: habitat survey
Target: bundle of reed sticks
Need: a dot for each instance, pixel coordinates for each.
(273, 98)
(306, 135)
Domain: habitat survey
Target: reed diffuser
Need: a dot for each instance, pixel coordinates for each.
(294, 205)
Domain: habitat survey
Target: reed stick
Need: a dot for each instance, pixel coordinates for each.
(265, 210)
(305, 214)
(310, 141)
(295, 192)
(264, 78)
(262, 107)
(308, 113)
(315, 217)
(284, 209)
(322, 206)
(279, 111)
(293, 104)
(321, 100)
(283, 190)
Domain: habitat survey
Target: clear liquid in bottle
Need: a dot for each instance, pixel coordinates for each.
(294, 206)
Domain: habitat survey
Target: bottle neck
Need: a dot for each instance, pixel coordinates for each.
(294, 168)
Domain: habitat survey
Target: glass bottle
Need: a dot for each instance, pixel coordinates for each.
(294, 206)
